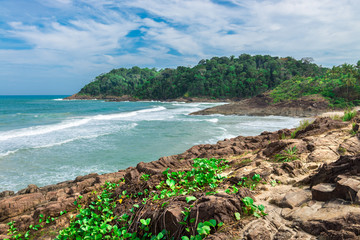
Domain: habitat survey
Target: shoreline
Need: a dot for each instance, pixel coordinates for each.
(132, 99)
(247, 156)
(260, 105)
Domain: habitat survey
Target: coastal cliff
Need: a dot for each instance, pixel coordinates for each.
(304, 183)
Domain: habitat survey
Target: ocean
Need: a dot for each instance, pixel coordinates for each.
(45, 140)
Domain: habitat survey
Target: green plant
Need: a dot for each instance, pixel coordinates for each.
(252, 209)
(288, 155)
(12, 231)
(273, 183)
(342, 150)
(203, 229)
(355, 129)
(237, 216)
(256, 177)
(303, 124)
(348, 115)
(145, 177)
(250, 183)
(97, 221)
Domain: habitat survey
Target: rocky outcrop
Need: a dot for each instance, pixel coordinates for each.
(309, 186)
(262, 105)
(25, 206)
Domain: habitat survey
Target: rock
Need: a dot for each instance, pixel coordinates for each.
(32, 188)
(300, 209)
(323, 192)
(132, 175)
(260, 230)
(294, 168)
(6, 194)
(220, 207)
(328, 173)
(319, 126)
(83, 178)
(348, 188)
(345, 227)
(323, 155)
(295, 199)
(172, 218)
(262, 105)
(351, 146)
(10, 207)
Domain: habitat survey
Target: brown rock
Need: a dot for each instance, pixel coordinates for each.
(6, 194)
(10, 207)
(295, 199)
(219, 207)
(323, 192)
(32, 188)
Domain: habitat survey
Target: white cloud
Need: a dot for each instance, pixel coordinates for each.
(96, 37)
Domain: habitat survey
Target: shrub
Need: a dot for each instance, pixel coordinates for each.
(348, 115)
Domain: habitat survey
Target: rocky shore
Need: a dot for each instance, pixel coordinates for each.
(262, 105)
(310, 187)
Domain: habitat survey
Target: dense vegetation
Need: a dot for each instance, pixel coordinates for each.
(117, 212)
(340, 85)
(219, 77)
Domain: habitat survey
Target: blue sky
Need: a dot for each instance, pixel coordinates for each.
(57, 46)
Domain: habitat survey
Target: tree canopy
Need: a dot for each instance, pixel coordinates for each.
(218, 77)
(340, 85)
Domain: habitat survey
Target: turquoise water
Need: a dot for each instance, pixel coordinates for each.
(45, 140)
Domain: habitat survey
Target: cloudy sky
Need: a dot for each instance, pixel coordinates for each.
(57, 46)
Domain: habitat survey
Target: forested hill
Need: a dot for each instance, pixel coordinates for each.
(339, 85)
(218, 77)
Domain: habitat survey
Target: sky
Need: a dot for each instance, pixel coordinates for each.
(57, 46)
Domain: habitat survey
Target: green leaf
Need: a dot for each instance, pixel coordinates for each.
(190, 198)
(257, 215)
(185, 238)
(237, 216)
(170, 182)
(212, 222)
(202, 229)
(145, 222)
(261, 207)
(160, 236)
(248, 201)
